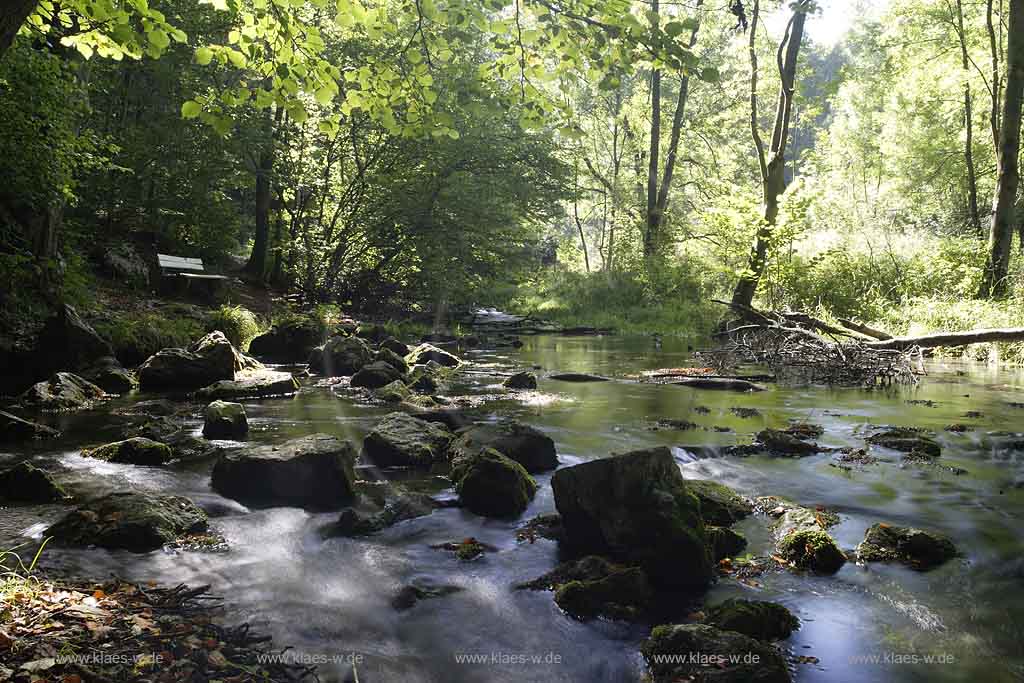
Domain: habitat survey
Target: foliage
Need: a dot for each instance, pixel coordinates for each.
(136, 336)
(238, 324)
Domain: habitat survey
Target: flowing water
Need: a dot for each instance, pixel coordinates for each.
(330, 598)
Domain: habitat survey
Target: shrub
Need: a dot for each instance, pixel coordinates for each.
(238, 324)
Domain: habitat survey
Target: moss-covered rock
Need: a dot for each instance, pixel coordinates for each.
(705, 654)
(407, 596)
(723, 542)
(128, 520)
(395, 392)
(253, 384)
(622, 594)
(208, 360)
(636, 508)
(719, 504)
(14, 429)
(372, 517)
(401, 440)
(521, 380)
(812, 549)
(425, 353)
(26, 483)
(223, 420)
(531, 448)
(135, 451)
(62, 392)
(755, 618)
(423, 380)
(781, 442)
(289, 341)
(375, 375)
(384, 355)
(492, 485)
(340, 357)
(395, 346)
(914, 547)
(906, 441)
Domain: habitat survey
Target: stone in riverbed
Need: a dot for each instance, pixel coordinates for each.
(108, 374)
(313, 472)
(289, 341)
(13, 429)
(394, 392)
(492, 485)
(577, 377)
(63, 391)
(521, 380)
(393, 359)
(913, 547)
(593, 586)
(529, 447)
(395, 346)
(340, 357)
(719, 383)
(723, 542)
(375, 375)
(259, 384)
(400, 440)
(223, 420)
(206, 361)
(721, 656)
(398, 507)
(408, 596)
(801, 536)
(134, 451)
(425, 353)
(758, 619)
(783, 443)
(26, 483)
(128, 520)
(906, 441)
(636, 508)
(719, 504)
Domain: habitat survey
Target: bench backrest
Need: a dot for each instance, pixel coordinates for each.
(167, 262)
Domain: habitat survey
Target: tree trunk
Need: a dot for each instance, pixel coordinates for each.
(1003, 219)
(773, 172)
(12, 17)
(651, 237)
(931, 341)
(972, 184)
(257, 265)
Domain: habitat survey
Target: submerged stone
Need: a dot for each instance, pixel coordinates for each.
(784, 443)
(260, 384)
(594, 586)
(906, 441)
(801, 536)
(914, 547)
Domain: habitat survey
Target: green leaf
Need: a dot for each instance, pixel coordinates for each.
(191, 109)
(324, 95)
(204, 56)
(710, 75)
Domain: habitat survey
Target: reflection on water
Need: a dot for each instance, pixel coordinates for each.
(332, 597)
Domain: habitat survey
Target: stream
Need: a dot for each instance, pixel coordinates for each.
(331, 599)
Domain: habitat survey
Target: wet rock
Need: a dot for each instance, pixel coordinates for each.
(155, 407)
(408, 596)
(542, 526)
(719, 504)
(375, 375)
(223, 420)
(259, 384)
(425, 353)
(719, 384)
(182, 443)
(801, 536)
(680, 425)
(288, 341)
(723, 542)
(783, 443)
(423, 380)
(577, 377)
(745, 413)
(805, 430)
(26, 483)
(135, 451)
(914, 547)
(129, 520)
(340, 357)
(395, 392)
(636, 508)
(593, 586)
(492, 485)
(208, 360)
(906, 441)
(395, 346)
(521, 380)
(758, 619)
(63, 391)
(399, 507)
(400, 440)
(958, 428)
(393, 359)
(108, 374)
(452, 418)
(529, 447)
(314, 472)
(14, 429)
(705, 654)
(467, 549)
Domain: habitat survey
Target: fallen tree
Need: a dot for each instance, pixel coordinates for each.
(937, 339)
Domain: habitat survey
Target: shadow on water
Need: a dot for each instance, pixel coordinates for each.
(331, 598)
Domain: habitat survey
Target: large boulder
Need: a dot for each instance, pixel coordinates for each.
(724, 542)
(208, 360)
(705, 654)
(63, 391)
(492, 485)
(530, 447)
(424, 353)
(122, 262)
(14, 429)
(719, 504)
(755, 618)
(223, 420)
(130, 520)
(636, 508)
(398, 348)
(396, 361)
(375, 375)
(67, 342)
(108, 374)
(913, 547)
(26, 483)
(801, 536)
(401, 440)
(314, 472)
(288, 341)
(259, 384)
(340, 357)
(137, 450)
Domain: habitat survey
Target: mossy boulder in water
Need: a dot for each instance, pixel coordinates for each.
(375, 375)
(128, 520)
(531, 448)
(402, 440)
(340, 357)
(26, 483)
(134, 451)
(594, 586)
(395, 346)
(14, 429)
(313, 472)
(62, 392)
(396, 361)
(521, 380)
(208, 360)
(394, 392)
(492, 485)
(906, 441)
(801, 536)
(374, 516)
(719, 504)
(723, 542)
(425, 353)
(755, 618)
(914, 547)
(781, 442)
(253, 384)
(223, 420)
(636, 508)
(705, 654)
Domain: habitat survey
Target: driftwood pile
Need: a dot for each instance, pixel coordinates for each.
(800, 348)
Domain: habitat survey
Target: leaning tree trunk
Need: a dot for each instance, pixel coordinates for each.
(12, 17)
(1002, 227)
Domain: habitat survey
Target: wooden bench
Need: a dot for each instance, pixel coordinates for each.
(182, 271)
